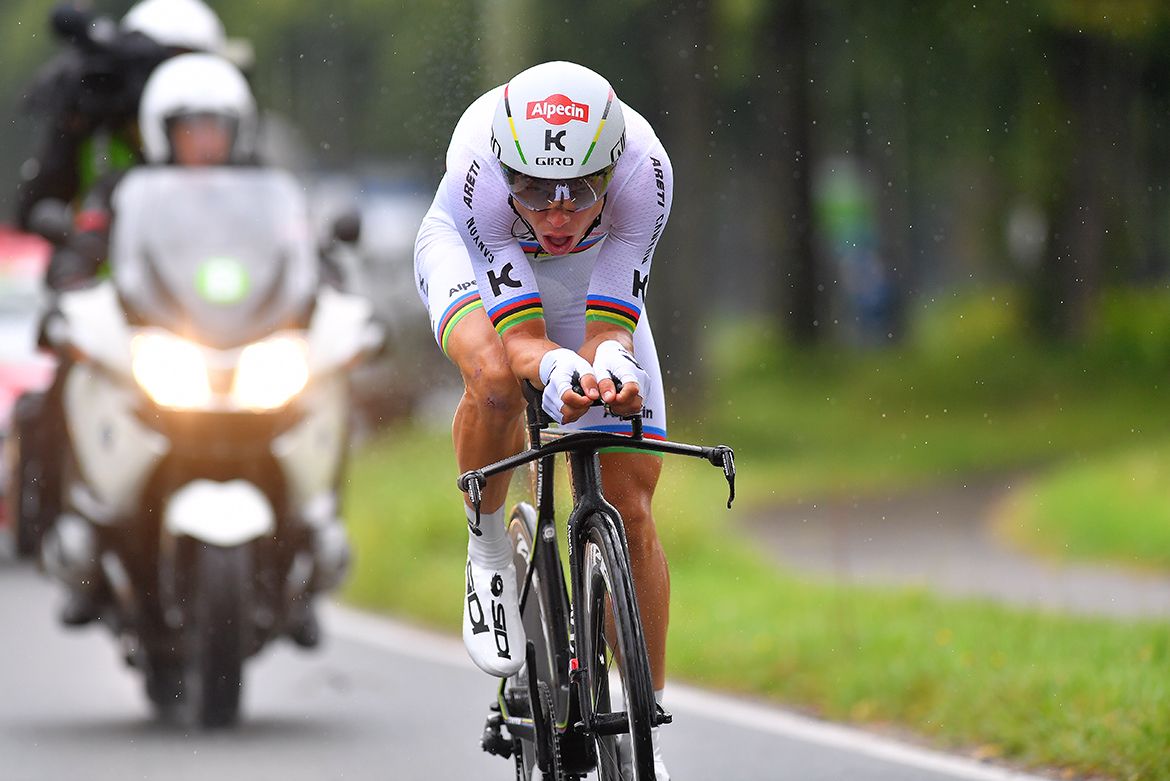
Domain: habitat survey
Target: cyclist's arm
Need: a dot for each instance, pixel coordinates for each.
(478, 199)
(617, 287)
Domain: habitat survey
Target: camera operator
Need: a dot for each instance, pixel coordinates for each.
(89, 92)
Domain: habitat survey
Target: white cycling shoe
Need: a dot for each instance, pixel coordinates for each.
(660, 771)
(492, 629)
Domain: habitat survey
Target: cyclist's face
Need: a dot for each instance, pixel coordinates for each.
(201, 140)
(559, 229)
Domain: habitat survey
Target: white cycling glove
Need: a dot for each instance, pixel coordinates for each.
(616, 362)
(557, 368)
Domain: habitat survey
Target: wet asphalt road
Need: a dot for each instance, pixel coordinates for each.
(378, 701)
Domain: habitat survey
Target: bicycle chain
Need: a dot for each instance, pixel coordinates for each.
(556, 772)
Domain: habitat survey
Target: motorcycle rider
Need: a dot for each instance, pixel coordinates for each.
(196, 110)
(90, 93)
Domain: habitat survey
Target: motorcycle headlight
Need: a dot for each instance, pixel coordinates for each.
(170, 370)
(270, 373)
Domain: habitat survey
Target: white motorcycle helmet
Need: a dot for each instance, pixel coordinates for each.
(183, 24)
(558, 130)
(196, 84)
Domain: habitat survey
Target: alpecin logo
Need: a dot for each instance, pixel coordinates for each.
(558, 110)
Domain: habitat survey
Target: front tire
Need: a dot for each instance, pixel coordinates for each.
(614, 637)
(217, 632)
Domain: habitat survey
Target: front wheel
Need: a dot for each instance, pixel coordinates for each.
(217, 632)
(614, 639)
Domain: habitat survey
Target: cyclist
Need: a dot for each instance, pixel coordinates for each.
(533, 262)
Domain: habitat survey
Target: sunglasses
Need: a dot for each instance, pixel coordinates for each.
(541, 194)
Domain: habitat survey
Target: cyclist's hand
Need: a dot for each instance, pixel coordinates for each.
(557, 371)
(613, 361)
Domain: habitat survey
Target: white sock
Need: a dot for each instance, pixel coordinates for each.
(491, 548)
(654, 733)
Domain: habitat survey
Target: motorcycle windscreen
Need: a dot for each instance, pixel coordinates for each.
(224, 256)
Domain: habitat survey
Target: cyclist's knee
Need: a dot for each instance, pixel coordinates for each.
(479, 355)
(633, 501)
(494, 389)
(629, 480)
(638, 521)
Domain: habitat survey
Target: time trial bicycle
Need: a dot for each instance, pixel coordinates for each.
(558, 712)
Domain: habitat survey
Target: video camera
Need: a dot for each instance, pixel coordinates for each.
(101, 73)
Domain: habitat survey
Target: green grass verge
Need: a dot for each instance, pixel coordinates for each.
(838, 421)
(1089, 695)
(1113, 508)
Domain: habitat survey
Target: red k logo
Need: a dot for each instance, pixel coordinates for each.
(558, 110)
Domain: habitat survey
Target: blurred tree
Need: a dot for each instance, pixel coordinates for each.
(686, 263)
(786, 36)
(25, 43)
(367, 79)
(508, 44)
(1097, 53)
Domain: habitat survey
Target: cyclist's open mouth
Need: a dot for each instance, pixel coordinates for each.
(558, 245)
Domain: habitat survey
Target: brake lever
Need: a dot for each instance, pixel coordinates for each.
(472, 483)
(724, 456)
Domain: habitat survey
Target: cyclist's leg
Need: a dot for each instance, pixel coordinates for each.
(487, 424)
(629, 480)
(486, 428)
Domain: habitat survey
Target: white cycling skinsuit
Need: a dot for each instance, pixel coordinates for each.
(474, 250)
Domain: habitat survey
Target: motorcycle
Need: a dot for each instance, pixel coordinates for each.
(207, 406)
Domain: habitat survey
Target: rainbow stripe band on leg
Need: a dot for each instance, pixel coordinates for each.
(516, 310)
(612, 310)
(456, 311)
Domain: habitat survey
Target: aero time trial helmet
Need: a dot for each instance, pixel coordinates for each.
(558, 130)
(182, 24)
(192, 85)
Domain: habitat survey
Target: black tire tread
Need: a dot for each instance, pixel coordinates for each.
(603, 534)
(219, 631)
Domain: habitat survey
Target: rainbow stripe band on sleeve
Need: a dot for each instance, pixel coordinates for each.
(612, 310)
(516, 310)
(456, 311)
